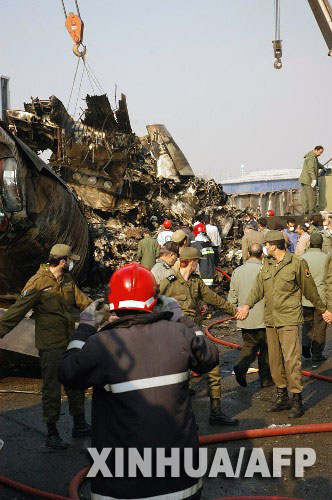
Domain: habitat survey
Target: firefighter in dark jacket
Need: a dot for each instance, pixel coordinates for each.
(203, 244)
(138, 366)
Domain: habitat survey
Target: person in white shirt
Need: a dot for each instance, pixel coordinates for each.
(165, 235)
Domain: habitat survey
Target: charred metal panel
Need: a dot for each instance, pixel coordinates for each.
(164, 144)
(50, 214)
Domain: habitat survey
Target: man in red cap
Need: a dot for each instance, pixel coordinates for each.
(166, 234)
(51, 292)
(138, 367)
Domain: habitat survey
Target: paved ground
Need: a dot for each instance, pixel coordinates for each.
(23, 457)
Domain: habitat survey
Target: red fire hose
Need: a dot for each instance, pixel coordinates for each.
(238, 346)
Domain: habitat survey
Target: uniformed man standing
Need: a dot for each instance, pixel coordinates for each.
(262, 226)
(314, 327)
(282, 281)
(148, 250)
(253, 328)
(168, 256)
(309, 178)
(51, 292)
(179, 237)
(303, 243)
(189, 290)
(250, 237)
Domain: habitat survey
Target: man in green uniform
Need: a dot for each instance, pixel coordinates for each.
(169, 254)
(51, 292)
(328, 287)
(282, 281)
(314, 327)
(148, 250)
(309, 178)
(189, 290)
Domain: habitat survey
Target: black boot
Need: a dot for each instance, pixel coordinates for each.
(306, 351)
(53, 440)
(282, 401)
(297, 406)
(240, 376)
(81, 428)
(217, 417)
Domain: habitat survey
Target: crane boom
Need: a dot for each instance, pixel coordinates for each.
(322, 11)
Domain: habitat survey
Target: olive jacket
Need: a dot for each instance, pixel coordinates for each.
(310, 169)
(249, 239)
(282, 285)
(328, 283)
(148, 251)
(190, 293)
(51, 300)
(316, 260)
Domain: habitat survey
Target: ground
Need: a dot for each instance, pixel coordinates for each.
(23, 456)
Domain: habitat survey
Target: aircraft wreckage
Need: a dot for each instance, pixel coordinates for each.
(103, 184)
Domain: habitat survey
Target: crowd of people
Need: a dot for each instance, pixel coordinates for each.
(138, 351)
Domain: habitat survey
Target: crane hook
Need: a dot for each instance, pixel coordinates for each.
(76, 50)
(277, 64)
(277, 49)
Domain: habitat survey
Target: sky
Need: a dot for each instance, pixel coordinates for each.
(202, 68)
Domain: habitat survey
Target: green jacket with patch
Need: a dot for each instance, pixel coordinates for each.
(51, 300)
(328, 283)
(282, 285)
(310, 169)
(190, 293)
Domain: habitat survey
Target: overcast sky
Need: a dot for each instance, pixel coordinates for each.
(202, 68)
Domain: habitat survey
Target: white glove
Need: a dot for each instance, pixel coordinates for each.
(95, 314)
(313, 183)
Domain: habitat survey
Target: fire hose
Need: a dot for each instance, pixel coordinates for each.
(203, 440)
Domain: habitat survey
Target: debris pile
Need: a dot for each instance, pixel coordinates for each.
(123, 182)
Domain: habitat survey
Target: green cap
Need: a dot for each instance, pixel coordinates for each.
(178, 236)
(316, 239)
(61, 250)
(273, 236)
(190, 253)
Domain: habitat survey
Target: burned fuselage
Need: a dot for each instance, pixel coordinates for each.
(37, 210)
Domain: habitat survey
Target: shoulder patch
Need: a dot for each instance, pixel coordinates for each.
(307, 273)
(171, 278)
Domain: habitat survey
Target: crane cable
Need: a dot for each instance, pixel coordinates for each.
(93, 80)
(277, 46)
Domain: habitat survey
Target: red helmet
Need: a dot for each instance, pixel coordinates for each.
(199, 228)
(270, 213)
(167, 224)
(132, 287)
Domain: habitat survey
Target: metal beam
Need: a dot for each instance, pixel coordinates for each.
(322, 11)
